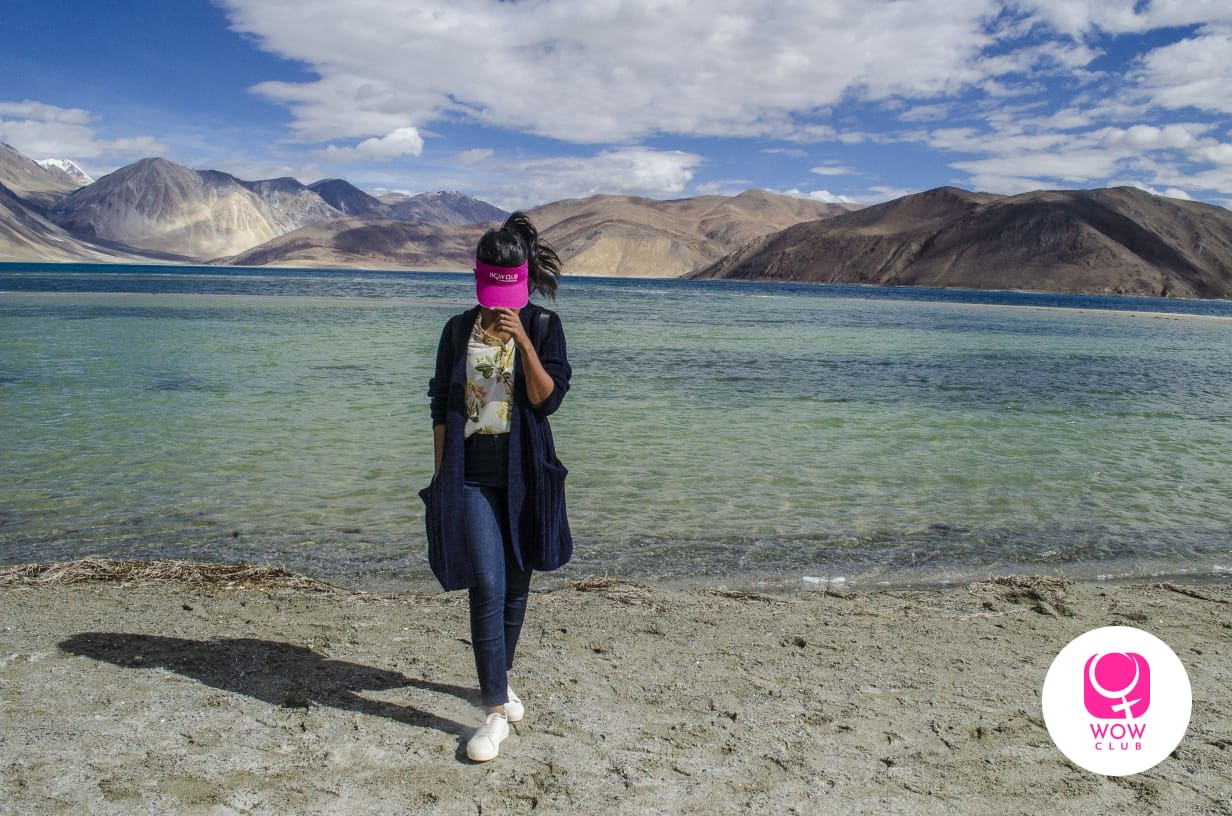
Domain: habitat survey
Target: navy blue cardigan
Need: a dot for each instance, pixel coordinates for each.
(540, 535)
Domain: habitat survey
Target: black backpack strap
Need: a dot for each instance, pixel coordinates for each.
(540, 329)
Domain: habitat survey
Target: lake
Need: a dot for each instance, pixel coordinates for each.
(750, 435)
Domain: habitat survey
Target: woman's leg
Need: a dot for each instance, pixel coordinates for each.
(517, 590)
(496, 615)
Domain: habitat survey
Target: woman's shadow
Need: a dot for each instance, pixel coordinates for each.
(281, 674)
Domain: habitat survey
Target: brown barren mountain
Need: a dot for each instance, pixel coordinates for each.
(626, 236)
(35, 185)
(441, 207)
(1113, 241)
(25, 235)
(603, 235)
(159, 206)
(370, 243)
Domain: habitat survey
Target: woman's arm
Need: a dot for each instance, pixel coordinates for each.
(541, 384)
(438, 393)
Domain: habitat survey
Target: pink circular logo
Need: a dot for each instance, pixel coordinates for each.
(1116, 700)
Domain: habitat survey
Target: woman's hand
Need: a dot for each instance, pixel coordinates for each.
(509, 323)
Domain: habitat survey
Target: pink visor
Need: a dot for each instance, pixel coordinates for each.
(504, 287)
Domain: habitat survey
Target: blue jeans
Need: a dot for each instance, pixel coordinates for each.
(498, 599)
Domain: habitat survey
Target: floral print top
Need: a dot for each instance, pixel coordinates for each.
(489, 382)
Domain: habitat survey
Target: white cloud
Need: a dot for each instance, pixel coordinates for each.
(41, 112)
(969, 140)
(927, 113)
(723, 187)
(627, 171)
(876, 195)
(1141, 138)
(790, 152)
(992, 182)
(39, 130)
(596, 72)
(1070, 119)
(404, 141)
(824, 196)
(1017, 152)
(1217, 154)
(474, 156)
(1077, 18)
(1171, 192)
(1039, 58)
(832, 169)
(1194, 73)
(1071, 167)
(1013, 83)
(1219, 180)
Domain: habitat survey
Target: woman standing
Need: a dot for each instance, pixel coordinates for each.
(495, 508)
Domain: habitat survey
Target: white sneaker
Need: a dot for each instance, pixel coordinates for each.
(485, 744)
(514, 710)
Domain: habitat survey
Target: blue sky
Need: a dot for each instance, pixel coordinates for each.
(525, 102)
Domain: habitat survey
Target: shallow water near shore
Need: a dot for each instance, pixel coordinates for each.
(750, 435)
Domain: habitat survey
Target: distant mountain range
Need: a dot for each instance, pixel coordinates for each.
(1120, 241)
(156, 210)
(1114, 241)
(603, 235)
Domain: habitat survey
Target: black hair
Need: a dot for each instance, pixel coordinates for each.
(517, 242)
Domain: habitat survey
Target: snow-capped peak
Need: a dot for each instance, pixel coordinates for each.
(68, 169)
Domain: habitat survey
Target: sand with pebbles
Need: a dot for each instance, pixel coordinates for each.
(165, 698)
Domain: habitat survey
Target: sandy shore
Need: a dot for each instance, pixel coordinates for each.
(168, 699)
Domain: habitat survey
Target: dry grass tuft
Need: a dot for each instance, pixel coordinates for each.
(1042, 594)
(626, 592)
(143, 573)
(738, 595)
(1033, 582)
(1191, 593)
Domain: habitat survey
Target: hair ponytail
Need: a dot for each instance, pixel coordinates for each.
(517, 242)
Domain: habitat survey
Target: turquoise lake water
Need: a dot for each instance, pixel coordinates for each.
(747, 435)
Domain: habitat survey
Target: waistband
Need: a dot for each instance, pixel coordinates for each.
(487, 440)
(487, 459)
